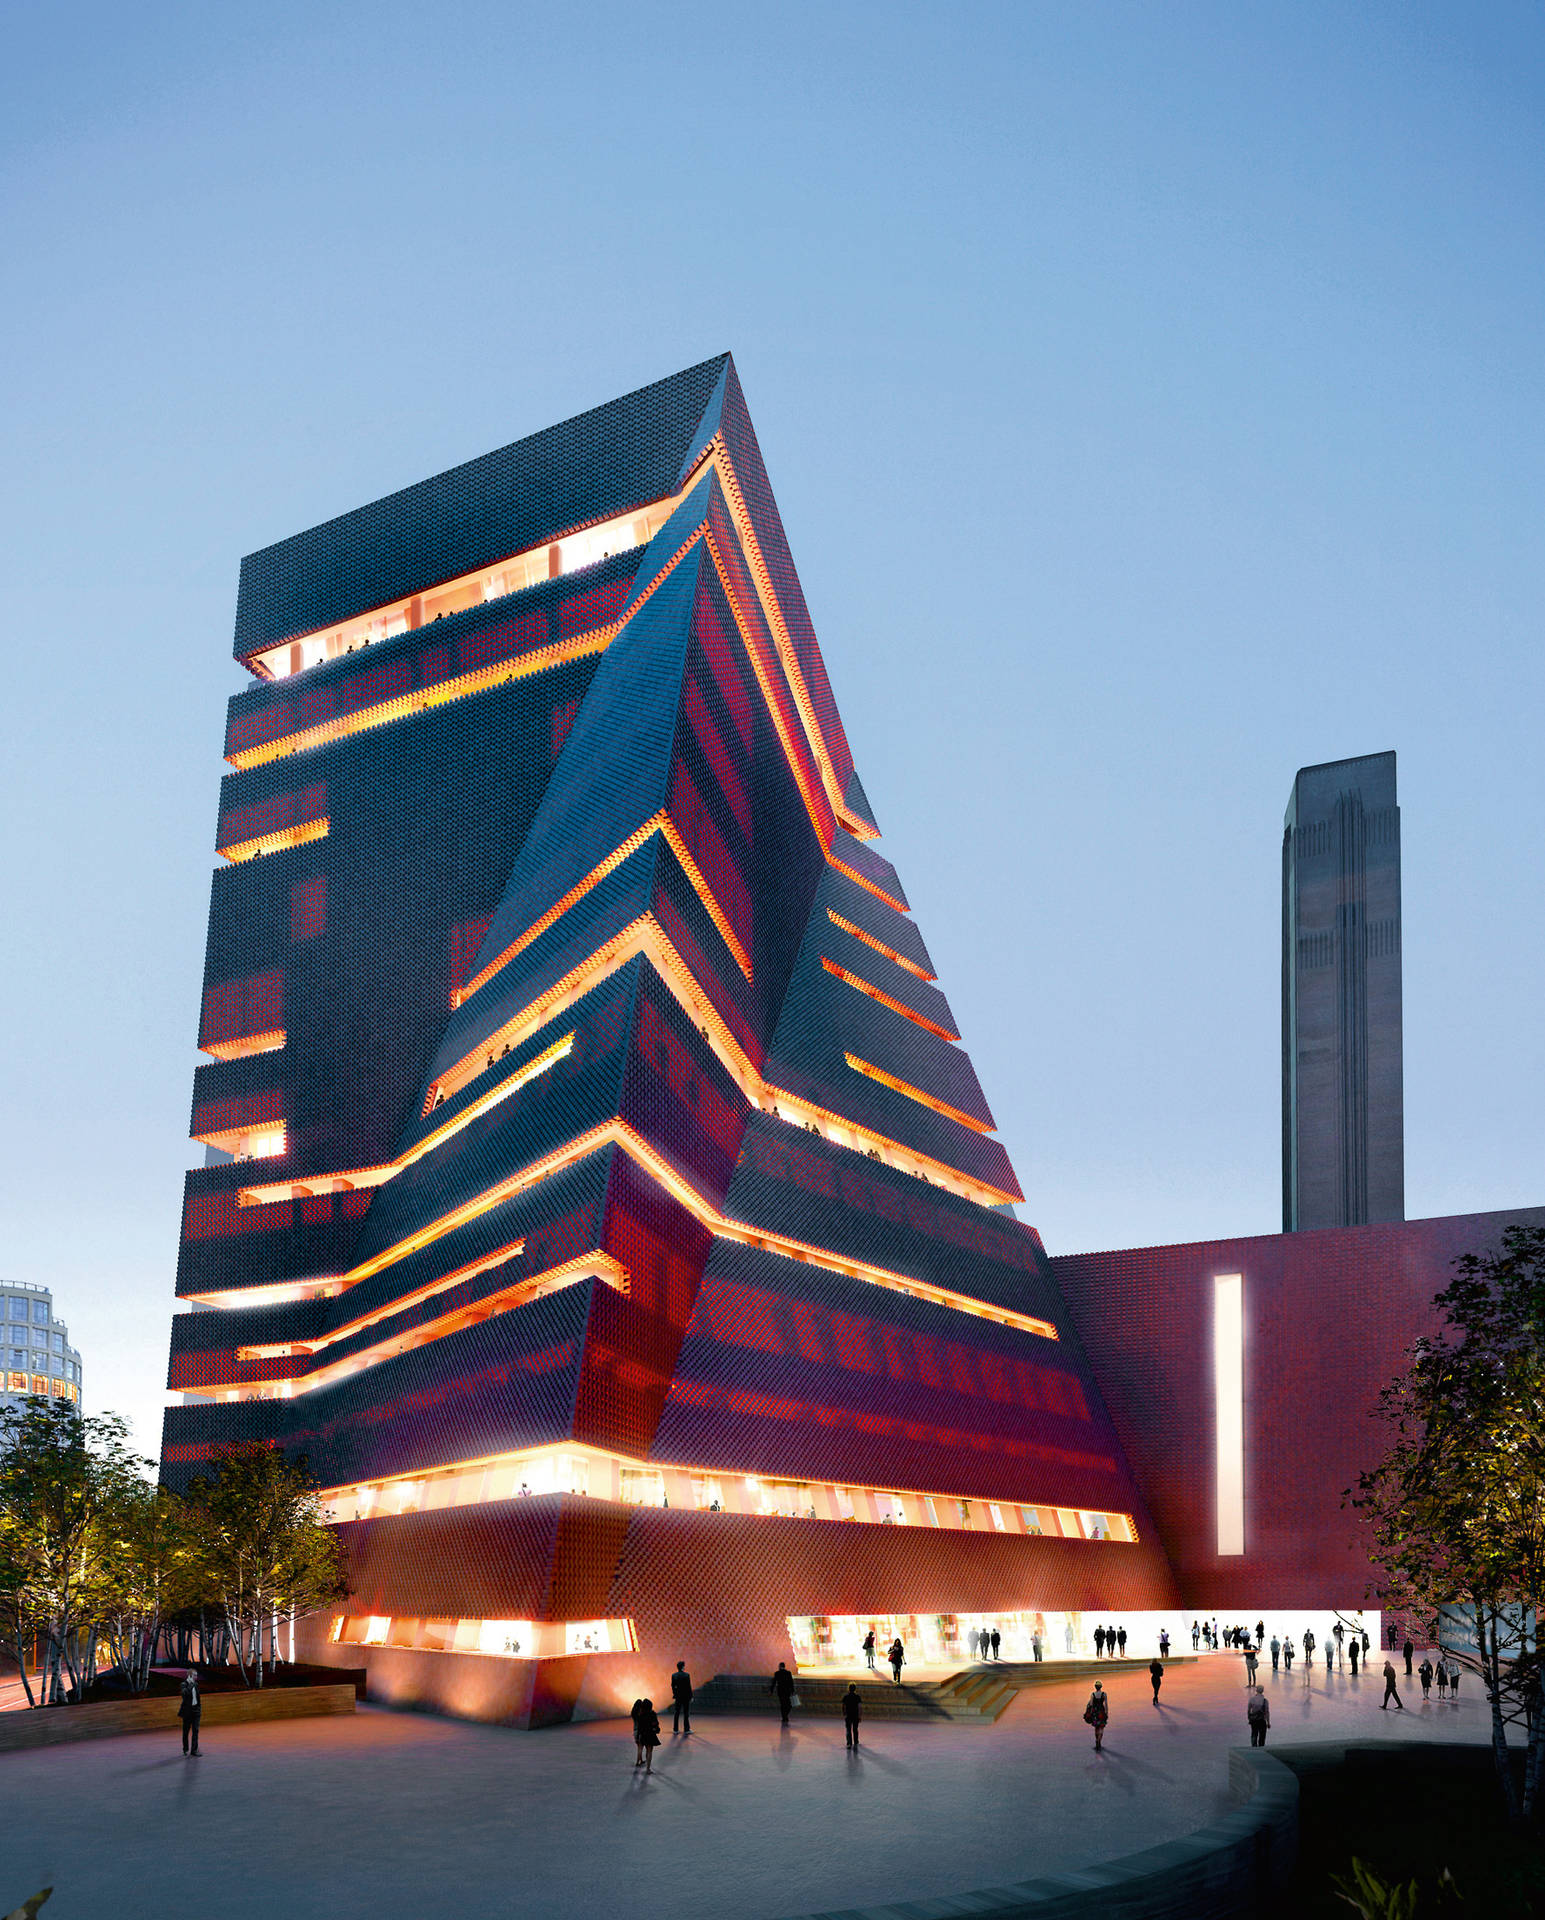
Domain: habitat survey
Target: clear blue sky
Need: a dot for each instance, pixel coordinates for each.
(1153, 396)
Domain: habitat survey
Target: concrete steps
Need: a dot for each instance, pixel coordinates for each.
(975, 1696)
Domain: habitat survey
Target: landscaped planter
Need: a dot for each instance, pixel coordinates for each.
(157, 1713)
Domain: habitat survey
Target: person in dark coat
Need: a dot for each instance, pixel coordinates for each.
(1251, 1657)
(852, 1713)
(637, 1712)
(1408, 1650)
(1424, 1674)
(1354, 1650)
(1442, 1679)
(1390, 1692)
(1121, 1641)
(1258, 1713)
(1156, 1675)
(1097, 1714)
(190, 1710)
(897, 1657)
(1099, 1642)
(647, 1724)
(782, 1684)
(997, 1641)
(681, 1699)
(869, 1649)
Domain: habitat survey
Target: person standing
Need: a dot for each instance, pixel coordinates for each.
(1354, 1652)
(1309, 1646)
(1099, 1642)
(1196, 1636)
(898, 1657)
(852, 1713)
(1392, 1638)
(1121, 1641)
(1164, 1643)
(648, 1724)
(1067, 1632)
(1156, 1675)
(1391, 1692)
(869, 1649)
(782, 1684)
(638, 1731)
(1442, 1679)
(1367, 1643)
(1453, 1678)
(1035, 1647)
(1408, 1650)
(1338, 1634)
(1260, 1633)
(1251, 1657)
(1424, 1674)
(681, 1699)
(1287, 1653)
(1097, 1714)
(1276, 1652)
(1258, 1713)
(190, 1710)
(997, 1641)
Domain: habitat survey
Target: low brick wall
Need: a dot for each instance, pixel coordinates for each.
(53, 1726)
(1225, 1871)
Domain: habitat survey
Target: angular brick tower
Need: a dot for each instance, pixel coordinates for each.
(600, 1197)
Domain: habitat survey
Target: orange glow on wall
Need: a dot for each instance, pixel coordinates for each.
(275, 842)
(885, 1000)
(879, 946)
(248, 1043)
(915, 1093)
(869, 887)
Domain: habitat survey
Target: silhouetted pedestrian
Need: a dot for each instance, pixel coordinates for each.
(852, 1713)
(681, 1699)
(997, 1641)
(1156, 1675)
(1099, 1642)
(1196, 1636)
(1442, 1679)
(1408, 1650)
(1276, 1652)
(1424, 1674)
(1250, 1660)
(1260, 1633)
(648, 1725)
(190, 1710)
(898, 1658)
(1354, 1653)
(638, 1709)
(1287, 1654)
(869, 1649)
(1367, 1643)
(1097, 1714)
(782, 1684)
(1390, 1690)
(1121, 1641)
(1035, 1648)
(1258, 1713)
(1164, 1643)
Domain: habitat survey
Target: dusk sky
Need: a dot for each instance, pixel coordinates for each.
(1153, 396)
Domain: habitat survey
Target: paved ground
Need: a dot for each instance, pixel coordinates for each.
(387, 1816)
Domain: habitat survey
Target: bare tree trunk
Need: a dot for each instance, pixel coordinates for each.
(1486, 1621)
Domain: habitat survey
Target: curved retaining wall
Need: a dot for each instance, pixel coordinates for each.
(1220, 1872)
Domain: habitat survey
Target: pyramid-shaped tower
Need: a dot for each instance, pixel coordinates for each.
(599, 1195)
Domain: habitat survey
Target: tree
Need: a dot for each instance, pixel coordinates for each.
(263, 1548)
(61, 1476)
(1456, 1507)
(149, 1569)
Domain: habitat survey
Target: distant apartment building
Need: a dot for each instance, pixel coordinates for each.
(1343, 1118)
(36, 1357)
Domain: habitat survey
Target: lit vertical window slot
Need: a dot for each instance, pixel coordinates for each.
(1228, 1376)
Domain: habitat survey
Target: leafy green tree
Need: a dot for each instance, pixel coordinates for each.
(148, 1569)
(263, 1549)
(62, 1476)
(1456, 1508)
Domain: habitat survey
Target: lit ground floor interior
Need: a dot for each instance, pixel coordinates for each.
(391, 1815)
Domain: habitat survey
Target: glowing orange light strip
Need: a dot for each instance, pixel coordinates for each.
(275, 842)
(879, 946)
(874, 993)
(868, 885)
(915, 1093)
(239, 1049)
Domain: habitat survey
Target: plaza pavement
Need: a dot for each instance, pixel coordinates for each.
(387, 1816)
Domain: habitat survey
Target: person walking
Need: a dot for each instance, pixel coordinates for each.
(1099, 1642)
(1276, 1652)
(1164, 1643)
(1035, 1647)
(1453, 1679)
(898, 1658)
(869, 1649)
(1156, 1675)
(190, 1710)
(1338, 1634)
(782, 1684)
(1097, 1714)
(1367, 1643)
(1408, 1650)
(1260, 1633)
(1424, 1674)
(1196, 1636)
(638, 1731)
(1442, 1679)
(1287, 1653)
(852, 1713)
(647, 1726)
(997, 1641)
(1258, 1713)
(1309, 1645)
(1251, 1657)
(681, 1699)
(1391, 1692)
(1121, 1641)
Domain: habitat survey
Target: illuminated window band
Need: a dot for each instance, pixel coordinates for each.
(595, 1474)
(1228, 1373)
(41, 1386)
(885, 1000)
(885, 1079)
(248, 1044)
(879, 946)
(275, 842)
(868, 885)
(619, 1134)
(567, 552)
(504, 1639)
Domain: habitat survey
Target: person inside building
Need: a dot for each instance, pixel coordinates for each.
(897, 1657)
